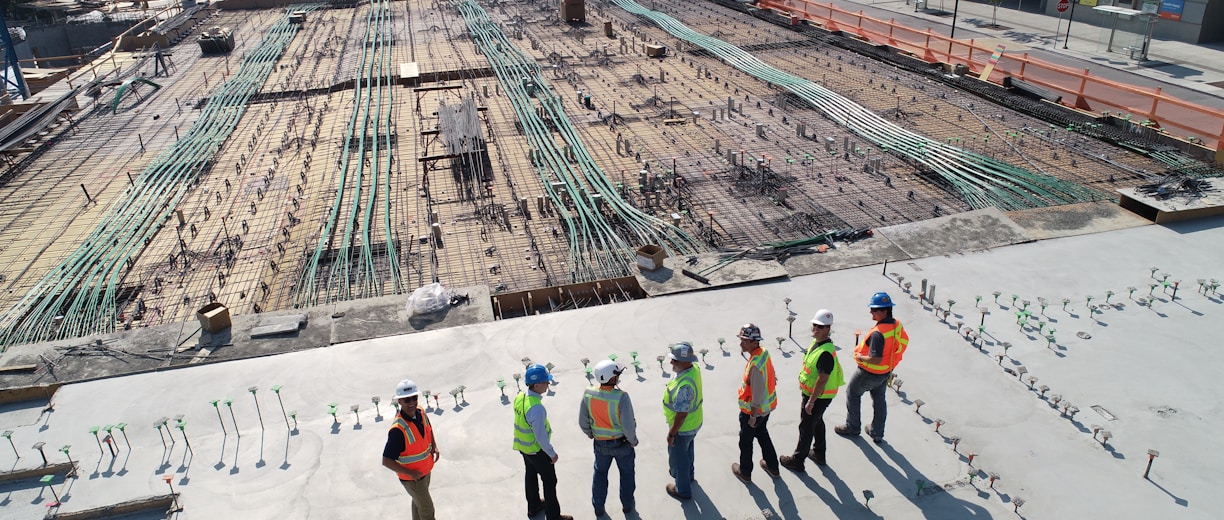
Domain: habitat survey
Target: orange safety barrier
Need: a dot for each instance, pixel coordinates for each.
(1079, 88)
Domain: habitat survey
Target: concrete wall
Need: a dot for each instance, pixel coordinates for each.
(62, 40)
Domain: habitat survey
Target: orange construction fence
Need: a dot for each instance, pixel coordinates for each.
(1079, 87)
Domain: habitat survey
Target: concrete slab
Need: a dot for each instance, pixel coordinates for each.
(1075, 219)
(844, 256)
(970, 231)
(388, 316)
(724, 271)
(1145, 365)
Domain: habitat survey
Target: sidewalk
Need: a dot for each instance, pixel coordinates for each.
(1191, 72)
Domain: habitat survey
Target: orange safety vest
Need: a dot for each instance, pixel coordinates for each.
(604, 408)
(760, 360)
(895, 343)
(418, 447)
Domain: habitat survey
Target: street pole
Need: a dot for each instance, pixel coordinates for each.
(955, 9)
(1070, 18)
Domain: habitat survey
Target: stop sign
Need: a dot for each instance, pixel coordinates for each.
(1063, 5)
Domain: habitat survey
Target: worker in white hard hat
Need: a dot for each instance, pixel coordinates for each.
(819, 380)
(532, 438)
(606, 416)
(411, 450)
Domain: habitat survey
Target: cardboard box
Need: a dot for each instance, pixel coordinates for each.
(650, 257)
(655, 51)
(214, 317)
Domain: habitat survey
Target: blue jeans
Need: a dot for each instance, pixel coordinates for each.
(680, 463)
(605, 452)
(862, 382)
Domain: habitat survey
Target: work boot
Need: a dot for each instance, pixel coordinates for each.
(735, 469)
(877, 440)
(818, 459)
(671, 490)
(844, 431)
(772, 472)
(791, 463)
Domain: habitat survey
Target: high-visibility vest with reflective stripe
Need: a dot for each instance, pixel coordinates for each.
(691, 378)
(895, 343)
(808, 375)
(524, 436)
(758, 361)
(604, 409)
(418, 445)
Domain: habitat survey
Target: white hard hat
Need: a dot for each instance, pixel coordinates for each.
(406, 388)
(606, 370)
(823, 317)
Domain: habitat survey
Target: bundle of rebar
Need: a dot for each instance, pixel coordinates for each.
(601, 245)
(980, 180)
(84, 287)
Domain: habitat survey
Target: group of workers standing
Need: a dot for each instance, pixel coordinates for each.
(606, 416)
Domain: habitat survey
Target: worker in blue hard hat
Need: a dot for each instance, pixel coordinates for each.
(877, 356)
(532, 434)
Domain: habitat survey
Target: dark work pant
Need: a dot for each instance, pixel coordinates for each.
(540, 469)
(811, 430)
(759, 433)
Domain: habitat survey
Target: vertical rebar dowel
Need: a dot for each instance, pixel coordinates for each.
(123, 429)
(1152, 454)
(229, 403)
(8, 434)
(182, 429)
(39, 446)
(141, 139)
(218, 409)
(87, 197)
(258, 413)
(276, 390)
(158, 425)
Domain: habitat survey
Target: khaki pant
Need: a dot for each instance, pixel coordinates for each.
(422, 503)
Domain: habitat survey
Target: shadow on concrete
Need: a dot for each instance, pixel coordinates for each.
(1194, 226)
(1176, 499)
(420, 321)
(1172, 70)
(943, 504)
(285, 465)
(700, 506)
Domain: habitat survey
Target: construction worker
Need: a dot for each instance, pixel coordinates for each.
(682, 409)
(606, 415)
(532, 433)
(819, 380)
(877, 355)
(411, 451)
(757, 397)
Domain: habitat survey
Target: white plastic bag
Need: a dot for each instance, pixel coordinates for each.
(429, 298)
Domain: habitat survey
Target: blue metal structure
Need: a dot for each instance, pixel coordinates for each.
(11, 65)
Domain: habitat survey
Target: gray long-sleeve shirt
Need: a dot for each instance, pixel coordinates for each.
(628, 423)
(536, 418)
(758, 384)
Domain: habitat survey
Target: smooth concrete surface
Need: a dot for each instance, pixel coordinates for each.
(1150, 367)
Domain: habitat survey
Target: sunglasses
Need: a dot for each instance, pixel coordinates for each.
(816, 326)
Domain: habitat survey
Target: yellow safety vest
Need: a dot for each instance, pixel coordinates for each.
(690, 377)
(808, 376)
(524, 436)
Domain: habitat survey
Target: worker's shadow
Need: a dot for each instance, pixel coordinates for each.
(936, 505)
(700, 506)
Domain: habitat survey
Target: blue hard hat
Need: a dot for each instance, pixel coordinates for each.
(537, 374)
(881, 300)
